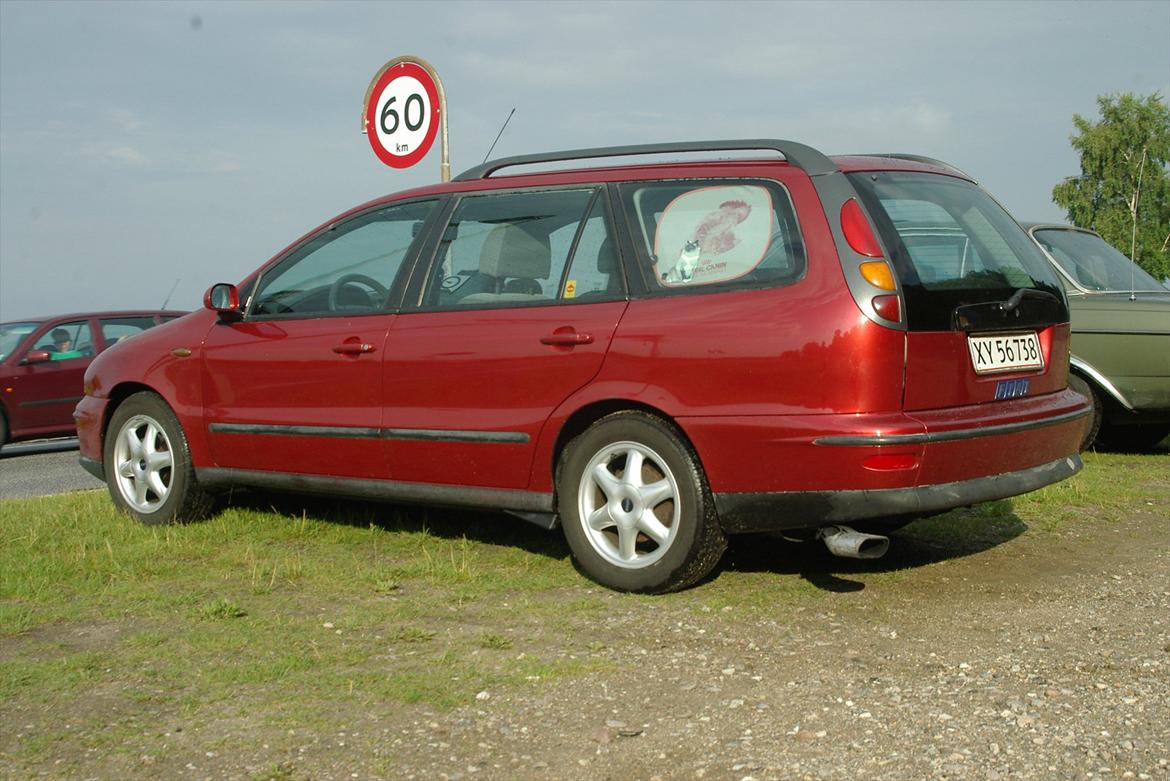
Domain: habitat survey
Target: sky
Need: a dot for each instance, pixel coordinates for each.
(146, 147)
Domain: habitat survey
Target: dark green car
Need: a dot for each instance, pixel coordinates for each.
(1121, 337)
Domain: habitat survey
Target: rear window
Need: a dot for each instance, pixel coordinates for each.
(713, 233)
(952, 246)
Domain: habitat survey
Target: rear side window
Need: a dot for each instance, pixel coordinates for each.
(952, 245)
(510, 249)
(117, 329)
(713, 233)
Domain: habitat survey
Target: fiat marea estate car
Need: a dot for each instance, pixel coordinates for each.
(651, 355)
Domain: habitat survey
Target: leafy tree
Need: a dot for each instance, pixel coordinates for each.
(1123, 191)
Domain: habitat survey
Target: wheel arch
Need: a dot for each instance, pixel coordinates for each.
(1089, 373)
(585, 416)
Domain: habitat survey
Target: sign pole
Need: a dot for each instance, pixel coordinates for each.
(419, 62)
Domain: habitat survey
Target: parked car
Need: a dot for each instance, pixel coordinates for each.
(42, 363)
(1121, 337)
(652, 355)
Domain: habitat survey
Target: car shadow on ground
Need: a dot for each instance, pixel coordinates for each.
(960, 533)
(488, 527)
(957, 534)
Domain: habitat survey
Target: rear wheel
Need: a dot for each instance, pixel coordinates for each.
(148, 464)
(635, 506)
(1082, 386)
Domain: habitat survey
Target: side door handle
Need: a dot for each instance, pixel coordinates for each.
(353, 348)
(566, 339)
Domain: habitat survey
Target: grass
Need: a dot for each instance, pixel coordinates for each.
(288, 612)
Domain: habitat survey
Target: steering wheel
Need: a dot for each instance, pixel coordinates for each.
(353, 279)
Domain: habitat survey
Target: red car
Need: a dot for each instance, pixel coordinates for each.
(42, 363)
(653, 356)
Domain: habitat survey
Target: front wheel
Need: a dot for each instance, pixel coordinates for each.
(148, 464)
(635, 506)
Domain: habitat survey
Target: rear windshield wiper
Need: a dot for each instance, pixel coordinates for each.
(1026, 292)
(994, 315)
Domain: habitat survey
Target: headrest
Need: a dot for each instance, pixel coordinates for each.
(510, 251)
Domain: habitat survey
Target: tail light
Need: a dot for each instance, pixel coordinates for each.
(877, 272)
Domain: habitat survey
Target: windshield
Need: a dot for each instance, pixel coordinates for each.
(952, 246)
(12, 334)
(1093, 264)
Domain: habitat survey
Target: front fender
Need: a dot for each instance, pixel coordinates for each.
(166, 360)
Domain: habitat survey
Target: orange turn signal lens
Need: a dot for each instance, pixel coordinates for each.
(878, 274)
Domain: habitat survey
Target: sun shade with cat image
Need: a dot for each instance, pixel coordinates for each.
(712, 235)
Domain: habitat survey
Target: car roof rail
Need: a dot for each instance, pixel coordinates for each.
(920, 159)
(804, 157)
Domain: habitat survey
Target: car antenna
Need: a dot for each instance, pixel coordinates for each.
(167, 300)
(506, 121)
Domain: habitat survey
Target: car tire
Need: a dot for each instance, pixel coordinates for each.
(651, 532)
(1083, 387)
(148, 463)
(1133, 438)
(3, 429)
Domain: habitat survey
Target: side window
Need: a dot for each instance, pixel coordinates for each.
(67, 341)
(347, 269)
(701, 233)
(117, 329)
(506, 249)
(594, 273)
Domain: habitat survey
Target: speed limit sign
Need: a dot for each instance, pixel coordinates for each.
(403, 112)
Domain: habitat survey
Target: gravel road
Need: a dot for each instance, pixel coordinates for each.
(1045, 657)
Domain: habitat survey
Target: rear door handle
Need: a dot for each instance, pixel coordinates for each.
(353, 348)
(570, 339)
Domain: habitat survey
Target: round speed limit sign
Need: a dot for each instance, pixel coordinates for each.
(402, 115)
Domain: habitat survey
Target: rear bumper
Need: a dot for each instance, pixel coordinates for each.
(794, 471)
(750, 512)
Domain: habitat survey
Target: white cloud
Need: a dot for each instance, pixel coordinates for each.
(115, 154)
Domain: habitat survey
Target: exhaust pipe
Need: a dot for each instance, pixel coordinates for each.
(852, 544)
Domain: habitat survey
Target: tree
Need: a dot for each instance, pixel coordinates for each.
(1123, 191)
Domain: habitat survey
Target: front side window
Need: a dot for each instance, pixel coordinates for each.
(509, 249)
(67, 341)
(704, 233)
(348, 269)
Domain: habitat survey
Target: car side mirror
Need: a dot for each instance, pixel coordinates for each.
(37, 356)
(224, 298)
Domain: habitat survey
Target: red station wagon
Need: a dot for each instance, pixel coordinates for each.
(653, 356)
(42, 362)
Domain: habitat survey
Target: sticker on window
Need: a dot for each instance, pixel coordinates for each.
(712, 235)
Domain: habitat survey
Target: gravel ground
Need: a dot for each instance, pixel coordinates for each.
(1044, 658)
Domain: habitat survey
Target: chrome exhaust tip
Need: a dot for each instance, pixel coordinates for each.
(852, 544)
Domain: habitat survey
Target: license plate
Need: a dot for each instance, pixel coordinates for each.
(1005, 352)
